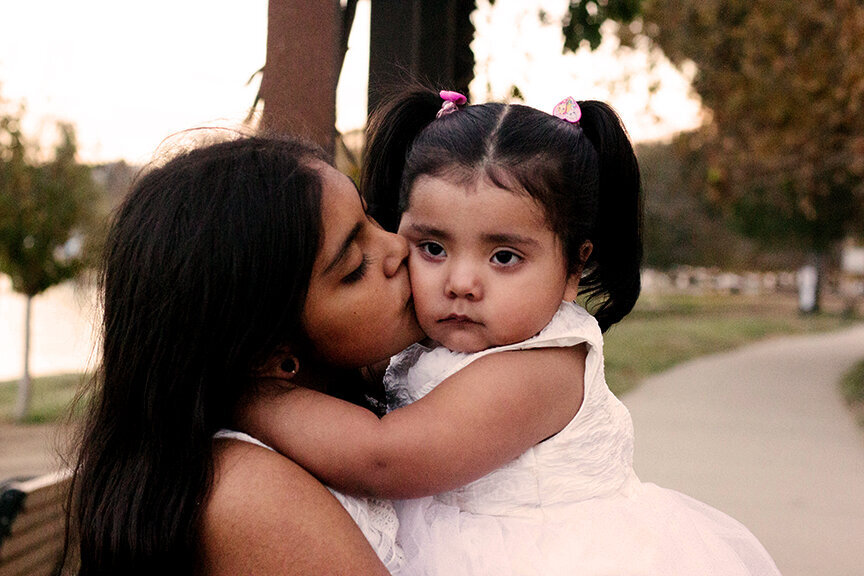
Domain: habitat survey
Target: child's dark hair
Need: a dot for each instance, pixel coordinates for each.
(585, 176)
(204, 275)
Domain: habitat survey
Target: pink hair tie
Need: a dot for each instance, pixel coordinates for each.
(452, 101)
(568, 110)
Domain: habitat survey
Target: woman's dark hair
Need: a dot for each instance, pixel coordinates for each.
(584, 175)
(204, 275)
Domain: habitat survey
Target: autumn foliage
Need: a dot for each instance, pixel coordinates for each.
(783, 84)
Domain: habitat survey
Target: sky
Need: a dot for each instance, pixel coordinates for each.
(130, 74)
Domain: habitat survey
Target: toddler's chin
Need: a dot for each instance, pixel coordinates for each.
(464, 345)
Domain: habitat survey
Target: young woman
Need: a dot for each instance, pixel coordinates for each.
(226, 261)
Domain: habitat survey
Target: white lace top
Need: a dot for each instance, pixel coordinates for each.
(592, 456)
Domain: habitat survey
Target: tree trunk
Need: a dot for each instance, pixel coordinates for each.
(24, 385)
(302, 68)
(423, 39)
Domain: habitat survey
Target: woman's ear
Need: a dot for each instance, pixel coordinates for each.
(571, 290)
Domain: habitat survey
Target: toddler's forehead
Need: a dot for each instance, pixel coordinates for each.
(485, 202)
(471, 181)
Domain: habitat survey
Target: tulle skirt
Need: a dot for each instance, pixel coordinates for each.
(650, 531)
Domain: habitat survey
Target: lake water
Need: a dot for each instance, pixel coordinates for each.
(62, 329)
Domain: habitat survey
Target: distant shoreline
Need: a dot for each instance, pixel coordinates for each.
(62, 330)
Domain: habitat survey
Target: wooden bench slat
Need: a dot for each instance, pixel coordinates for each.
(38, 562)
(45, 490)
(28, 520)
(33, 543)
(23, 541)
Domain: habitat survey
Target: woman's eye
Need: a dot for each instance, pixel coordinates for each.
(357, 273)
(432, 249)
(506, 258)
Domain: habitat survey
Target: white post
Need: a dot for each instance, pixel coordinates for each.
(24, 387)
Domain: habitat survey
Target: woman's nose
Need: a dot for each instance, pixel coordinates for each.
(396, 251)
(463, 282)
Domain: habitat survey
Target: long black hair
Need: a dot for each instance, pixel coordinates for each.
(204, 275)
(585, 176)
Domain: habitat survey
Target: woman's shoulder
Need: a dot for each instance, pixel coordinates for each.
(246, 471)
(266, 515)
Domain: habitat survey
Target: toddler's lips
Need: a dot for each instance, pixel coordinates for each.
(457, 319)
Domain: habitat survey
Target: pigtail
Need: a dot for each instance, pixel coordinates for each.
(612, 278)
(392, 129)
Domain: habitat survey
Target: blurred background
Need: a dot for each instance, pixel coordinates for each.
(748, 118)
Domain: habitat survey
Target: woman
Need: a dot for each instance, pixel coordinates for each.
(230, 264)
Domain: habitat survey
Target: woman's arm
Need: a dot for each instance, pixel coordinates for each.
(267, 516)
(475, 421)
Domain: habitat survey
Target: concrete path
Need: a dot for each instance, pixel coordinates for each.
(762, 434)
(31, 450)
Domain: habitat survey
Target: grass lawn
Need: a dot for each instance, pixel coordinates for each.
(666, 329)
(852, 387)
(663, 330)
(51, 400)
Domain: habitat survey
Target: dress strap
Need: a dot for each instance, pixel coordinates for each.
(242, 436)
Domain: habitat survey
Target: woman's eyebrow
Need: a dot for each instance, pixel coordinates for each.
(343, 249)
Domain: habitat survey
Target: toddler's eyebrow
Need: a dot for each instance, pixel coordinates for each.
(491, 238)
(424, 230)
(510, 239)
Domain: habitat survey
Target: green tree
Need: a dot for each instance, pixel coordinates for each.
(783, 84)
(46, 209)
(585, 17)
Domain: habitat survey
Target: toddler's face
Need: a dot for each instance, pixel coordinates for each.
(486, 269)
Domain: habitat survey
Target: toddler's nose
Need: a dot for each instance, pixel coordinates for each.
(463, 282)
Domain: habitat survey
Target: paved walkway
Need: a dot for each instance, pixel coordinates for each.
(30, 450)
(762, 434)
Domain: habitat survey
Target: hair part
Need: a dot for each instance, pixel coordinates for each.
(585, 176)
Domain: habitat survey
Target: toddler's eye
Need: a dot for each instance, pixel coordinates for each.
(506, 258)
(432, 249)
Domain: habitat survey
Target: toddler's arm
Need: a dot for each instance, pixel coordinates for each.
(473, 422)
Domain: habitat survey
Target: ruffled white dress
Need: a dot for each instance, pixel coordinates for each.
(376, 518)
(572, 504)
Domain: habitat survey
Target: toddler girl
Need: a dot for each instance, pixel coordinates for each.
(504, 414)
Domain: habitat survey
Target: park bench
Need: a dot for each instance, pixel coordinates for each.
(32, 524)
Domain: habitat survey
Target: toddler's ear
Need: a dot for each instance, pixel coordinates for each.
(571, 291)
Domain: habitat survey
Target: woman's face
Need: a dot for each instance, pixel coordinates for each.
(359, 309)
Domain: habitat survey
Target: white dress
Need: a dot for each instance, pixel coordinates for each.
(572, 504)
(376, 518)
